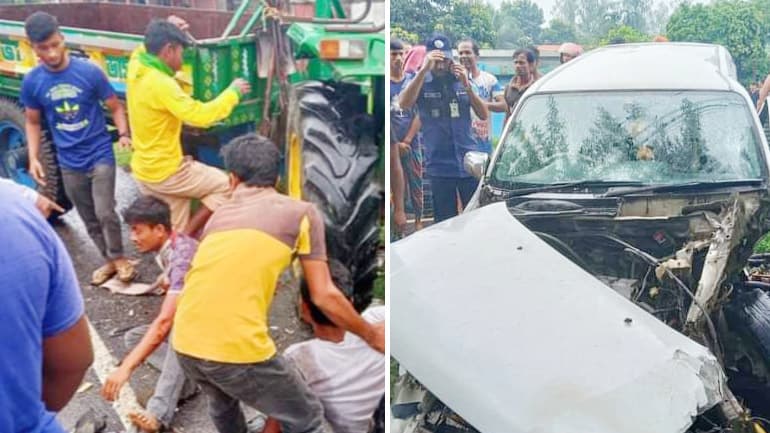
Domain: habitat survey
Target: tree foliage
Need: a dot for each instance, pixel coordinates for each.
(397, 32)
(738, 25)
(454, 18)
(523, 16)
(558, 32)
(627, 33)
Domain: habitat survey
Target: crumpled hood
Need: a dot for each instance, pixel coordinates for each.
(514, 337)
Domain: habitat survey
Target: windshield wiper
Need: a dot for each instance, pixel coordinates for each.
(565, 185)
(683, 186)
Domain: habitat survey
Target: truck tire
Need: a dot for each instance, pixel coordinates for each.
(338, 147)
(14, 159)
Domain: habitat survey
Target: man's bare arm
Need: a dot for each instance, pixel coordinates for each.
(34, 135)
(66, 358)
(498, 105)
(334, 304)
(397, 187)
(156, 334)
(414, 128)
(409, 95)
(763, 93)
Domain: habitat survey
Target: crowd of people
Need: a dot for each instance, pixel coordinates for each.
(440, 110)
(220, 265)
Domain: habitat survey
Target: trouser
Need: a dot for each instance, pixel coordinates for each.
(172, 384)
(445, 191)
(192, 180)
(93, 194)
(411, 162)
(273, 387)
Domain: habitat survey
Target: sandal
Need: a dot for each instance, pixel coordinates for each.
(145, 422)
(101, 275)
(125, 269)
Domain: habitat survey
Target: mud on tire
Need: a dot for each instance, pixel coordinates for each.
(54, 188)
(339, 157)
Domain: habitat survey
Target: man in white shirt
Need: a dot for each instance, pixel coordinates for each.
(346, 374)
(488, 89)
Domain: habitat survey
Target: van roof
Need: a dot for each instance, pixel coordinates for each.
(647, 66)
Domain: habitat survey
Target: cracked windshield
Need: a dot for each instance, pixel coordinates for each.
(647, 137)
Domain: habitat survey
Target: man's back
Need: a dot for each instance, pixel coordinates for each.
(348, 377)
(246, 245)
(41, 299)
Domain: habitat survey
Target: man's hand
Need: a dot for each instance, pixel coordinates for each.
(36, 171)
(272, 13)
(461, 73)
(376, 337)
(242, 85)
(124, 143)
(115, 381)
(430, 60)
(404, 147)
(46, 206)
(179, 22)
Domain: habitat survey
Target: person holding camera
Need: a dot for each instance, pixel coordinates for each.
(444, 96)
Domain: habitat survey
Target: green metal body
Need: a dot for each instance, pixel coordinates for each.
(212, 64)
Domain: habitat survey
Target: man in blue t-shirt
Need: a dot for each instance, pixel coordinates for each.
(444, 96)
(44, 339)
(66, 93)
(407, 148)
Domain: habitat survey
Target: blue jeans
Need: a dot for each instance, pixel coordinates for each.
(445, 191)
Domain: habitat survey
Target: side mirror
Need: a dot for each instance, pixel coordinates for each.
(475, 163)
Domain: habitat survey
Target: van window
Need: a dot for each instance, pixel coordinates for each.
(655, 137)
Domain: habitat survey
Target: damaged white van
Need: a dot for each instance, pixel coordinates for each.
(603, 279)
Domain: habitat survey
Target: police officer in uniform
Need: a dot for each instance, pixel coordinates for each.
(445, 96)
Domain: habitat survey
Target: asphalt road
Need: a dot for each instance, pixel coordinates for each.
(111, 315)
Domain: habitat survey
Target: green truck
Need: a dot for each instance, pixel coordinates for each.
(318, 90)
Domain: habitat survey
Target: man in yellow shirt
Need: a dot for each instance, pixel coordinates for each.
(221, 331)
(157, 107)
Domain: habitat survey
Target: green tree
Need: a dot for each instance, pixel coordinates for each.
(397, 32)
(656, 22)
(525, 15)
(467, 20)
(628, 34)
(565, 10)
(634, 13)
(595, 18)
(558, 32)
(738, 25)
(416, 17)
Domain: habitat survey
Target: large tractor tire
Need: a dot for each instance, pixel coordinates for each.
(331, 161)
(14, 159)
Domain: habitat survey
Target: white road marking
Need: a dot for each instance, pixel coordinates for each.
(104, 364)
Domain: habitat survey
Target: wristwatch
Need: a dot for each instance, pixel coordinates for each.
(124, 134)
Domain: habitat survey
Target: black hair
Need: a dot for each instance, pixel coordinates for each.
(341, 278)
(253, 159)
(535, 51)
(474, 45)
(528, 54)
(148, 210)
(40, 26)
(396, 44)
(159, 33)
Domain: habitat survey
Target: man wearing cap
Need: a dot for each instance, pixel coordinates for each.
(444, 96)
(157, 107)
